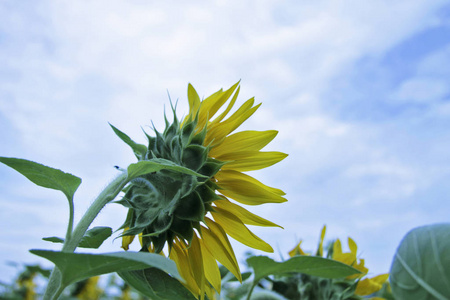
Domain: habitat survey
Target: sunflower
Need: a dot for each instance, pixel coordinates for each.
(189, 216)
(365, 286)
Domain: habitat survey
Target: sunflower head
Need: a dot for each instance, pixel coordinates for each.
(192, 214)
(165, 204)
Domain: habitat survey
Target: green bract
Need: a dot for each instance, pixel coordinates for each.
(166, 204)
(421, 265)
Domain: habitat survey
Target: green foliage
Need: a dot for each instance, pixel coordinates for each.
(312, 265)
(156, 284)
(264, 266)
(421, 265)
(78, 266)
(93, 238)
(44, 176)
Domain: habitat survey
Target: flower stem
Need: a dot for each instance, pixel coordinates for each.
(54, 287)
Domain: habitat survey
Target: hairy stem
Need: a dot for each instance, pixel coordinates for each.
(54, 287)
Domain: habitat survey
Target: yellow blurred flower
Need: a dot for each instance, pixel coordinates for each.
(89, 289)
(366, 286)
(197, 231)
(27, 283)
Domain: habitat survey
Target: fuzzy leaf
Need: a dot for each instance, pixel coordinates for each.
(44, 176)
(138, 149)
(78, 266)
(421, 265)
(156, 284)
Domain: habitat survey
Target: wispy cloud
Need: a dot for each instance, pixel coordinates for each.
(360, 103)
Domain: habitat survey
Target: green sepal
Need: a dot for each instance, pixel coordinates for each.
(162, 223)
(194, 156)
(159, 241)
(187, 132)
(211, 167)
(206, 193)
(138, 149)
(95, 237)
(183, 228)
(190, 208)
(199, 138)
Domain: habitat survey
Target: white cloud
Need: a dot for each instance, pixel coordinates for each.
(73, 66)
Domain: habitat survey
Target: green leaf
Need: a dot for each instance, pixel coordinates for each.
(94, 237)
(312, 265)
(154, 165)
(54, 239)
(138, 149)
(156, 284)
(44, 176)
(78, 266)
(421, 265)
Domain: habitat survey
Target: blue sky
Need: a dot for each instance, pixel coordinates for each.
(358, 91)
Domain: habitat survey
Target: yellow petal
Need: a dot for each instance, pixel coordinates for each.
(337, 249)
(237, 230)
(297, 250)
(212, 272)
(245, 192)
(196, 261)
(126, 239)
(213, 103)
(322, 236)
(352, 245)
(249, 140)
(217, 120)
(205, 112)
(194, 101)
(370, 285)
(217, 132)
(179, 256)
(244, 215)
(231, 174)
(382, 278)
(216, 241)
(251, 160)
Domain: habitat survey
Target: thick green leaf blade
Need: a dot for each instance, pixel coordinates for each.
(156, 284)
(44, 176)
(94, 237)
(421, 265)
(154, 165)
(78, 266)
(138, 149)
(312, 265)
